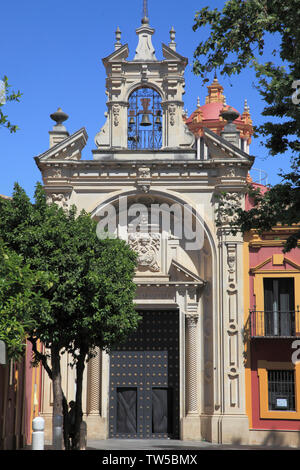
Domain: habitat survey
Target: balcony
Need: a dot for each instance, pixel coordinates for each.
(274, 324)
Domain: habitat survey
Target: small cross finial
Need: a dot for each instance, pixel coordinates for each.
(145, 19)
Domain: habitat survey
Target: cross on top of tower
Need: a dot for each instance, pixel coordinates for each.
(145, 19)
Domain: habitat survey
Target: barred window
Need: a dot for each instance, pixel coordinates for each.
(281, 390)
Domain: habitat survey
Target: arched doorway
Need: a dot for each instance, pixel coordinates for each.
(163, 374)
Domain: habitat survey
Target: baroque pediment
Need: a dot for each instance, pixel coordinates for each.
(117, 56)
(68, 149)
(170, 54)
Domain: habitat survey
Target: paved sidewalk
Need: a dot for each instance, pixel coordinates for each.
(157, 444)
(171, 445)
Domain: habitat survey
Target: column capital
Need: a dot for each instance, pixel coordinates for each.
(191, 319)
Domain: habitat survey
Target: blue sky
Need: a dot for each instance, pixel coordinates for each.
(52, 53)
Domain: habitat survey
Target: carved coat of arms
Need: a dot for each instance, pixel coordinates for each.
(147, 247)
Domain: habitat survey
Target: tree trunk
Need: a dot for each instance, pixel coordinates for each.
(57, 398)
(78, 407)
(43, 359)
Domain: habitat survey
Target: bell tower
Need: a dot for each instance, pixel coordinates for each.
(145, 107)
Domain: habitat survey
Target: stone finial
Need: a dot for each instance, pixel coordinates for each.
(230, 115)
(172, 44)
(59, 131)
(198, 102)
(118, 38)
(59, 117)
(230, 131)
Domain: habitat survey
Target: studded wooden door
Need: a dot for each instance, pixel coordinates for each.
(144, 380)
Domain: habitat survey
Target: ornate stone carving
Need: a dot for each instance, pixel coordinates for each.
(144, 172)
(61, 199)
(230, 172)
(231, 262)
(56, 173)
(147, 247)
(116, 112)
(172, 110)
(143, 179)
(228, 206)
(191, 320)
(144, 187)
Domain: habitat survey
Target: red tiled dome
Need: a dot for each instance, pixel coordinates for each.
(208, 115)
(211, 111)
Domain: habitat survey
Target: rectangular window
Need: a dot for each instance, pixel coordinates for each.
(279, 307)
(281, 390)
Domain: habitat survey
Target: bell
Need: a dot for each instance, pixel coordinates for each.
(131, 121)
(145, 120)
(158, 121)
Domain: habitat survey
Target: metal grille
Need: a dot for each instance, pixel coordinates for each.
(281, 390)
(144, 120)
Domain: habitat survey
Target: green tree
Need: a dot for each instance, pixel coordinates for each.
(239, 36)
(91, 299)
(20, 300)
(7, 95)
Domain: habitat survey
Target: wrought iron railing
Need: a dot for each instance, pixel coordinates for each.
(145, 140)
(279, 324)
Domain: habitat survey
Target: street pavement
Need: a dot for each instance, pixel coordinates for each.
(175, 445)
(157, 445)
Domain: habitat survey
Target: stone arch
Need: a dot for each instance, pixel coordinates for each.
(198, 315)
(148, 84)
(164, 195)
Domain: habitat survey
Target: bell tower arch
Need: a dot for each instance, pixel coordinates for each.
(129, 113)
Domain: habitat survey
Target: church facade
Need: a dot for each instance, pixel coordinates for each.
(154, 179)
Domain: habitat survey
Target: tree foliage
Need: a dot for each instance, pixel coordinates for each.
(90, 301)
(7, 95)
(239, 36)
(20, 300)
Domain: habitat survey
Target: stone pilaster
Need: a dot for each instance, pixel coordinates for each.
(233, 421)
